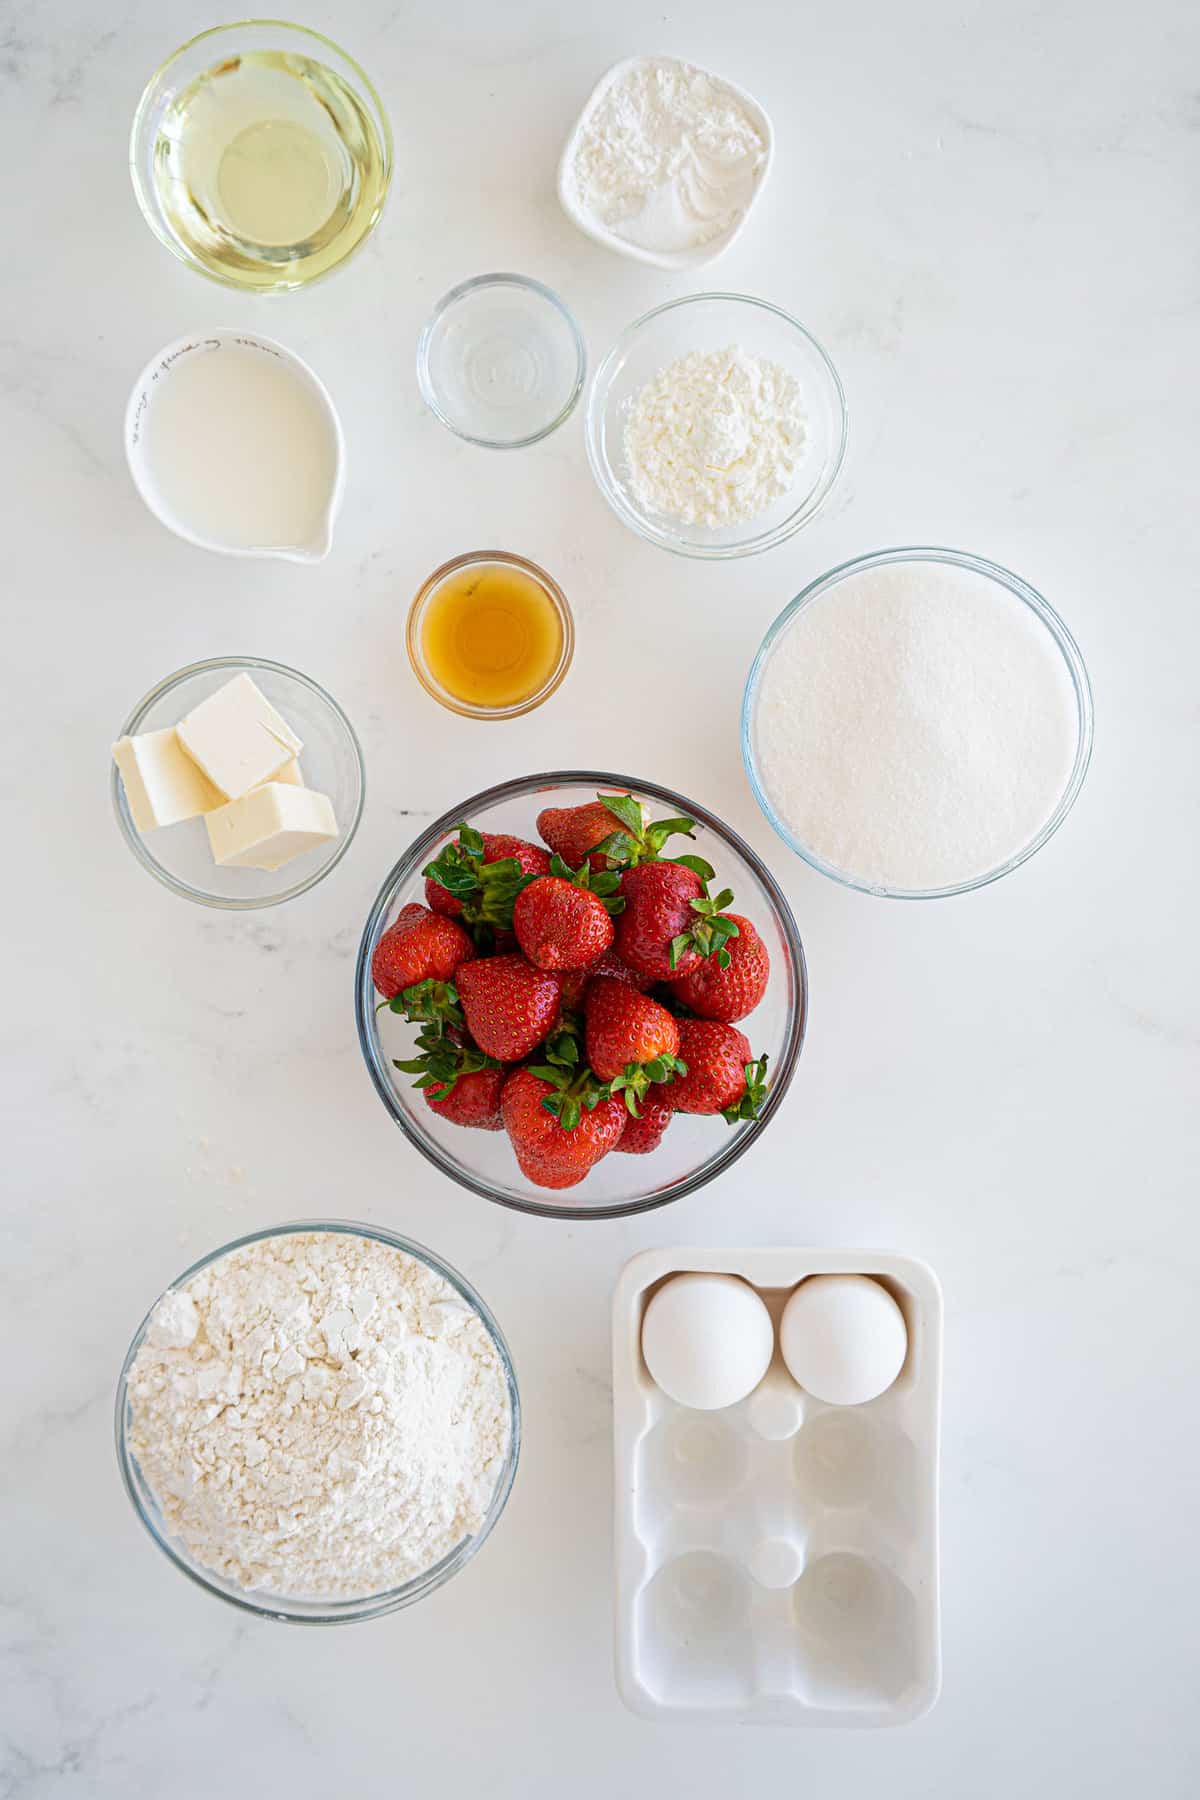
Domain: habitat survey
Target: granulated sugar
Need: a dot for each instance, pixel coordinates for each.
(915, 726)
(320, 1415)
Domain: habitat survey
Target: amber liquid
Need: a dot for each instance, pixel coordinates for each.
(491, 635)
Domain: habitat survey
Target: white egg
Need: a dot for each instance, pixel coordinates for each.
(843, 1338)
(707, 1340)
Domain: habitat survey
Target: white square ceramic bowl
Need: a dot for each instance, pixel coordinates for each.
(679, 260)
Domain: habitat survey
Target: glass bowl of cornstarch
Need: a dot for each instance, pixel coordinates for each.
(917, 723)
(716, 426)
(319, 1423)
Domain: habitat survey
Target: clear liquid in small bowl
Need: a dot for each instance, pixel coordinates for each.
(269, 168)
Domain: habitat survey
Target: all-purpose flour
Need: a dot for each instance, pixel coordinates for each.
(915, 725)
(714, 438)
(319, 1415)
(667, 156)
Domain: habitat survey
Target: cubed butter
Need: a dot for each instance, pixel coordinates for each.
(162, 784)
(266, 828)
(290, 773)
(238, 738)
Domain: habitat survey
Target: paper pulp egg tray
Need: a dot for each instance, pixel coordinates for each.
(777, 1560)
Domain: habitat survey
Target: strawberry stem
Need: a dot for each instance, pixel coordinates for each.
(755, 1093)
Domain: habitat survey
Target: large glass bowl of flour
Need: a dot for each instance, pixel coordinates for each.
(716, 426)
(428, 1337)
(917, 723)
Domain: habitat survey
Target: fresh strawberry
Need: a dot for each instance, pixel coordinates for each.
(612, 831)
(473, 1100)
(669, 922)
(729, 983)
(460, 1083)
(645, 1133)
(478, 877)
(551, 1152)
(418, 946)
(632, 1041)
(722, 1075)
(575, 982)
(573, 832)
(563, 921)
(509, 1006)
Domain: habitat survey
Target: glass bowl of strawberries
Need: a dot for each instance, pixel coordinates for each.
(581, 995)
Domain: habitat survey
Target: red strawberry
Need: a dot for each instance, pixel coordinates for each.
(561, 926)
(722, 1075)
(472, 1099)
(728, 984)
(509, 1006)
(459, 1082)
(573, 832)
(658, 908)
(669, 922)
(418, 946)
(551, 1153)
(629, 1034)
(645, 1133)
(575, 983)
(478, 877)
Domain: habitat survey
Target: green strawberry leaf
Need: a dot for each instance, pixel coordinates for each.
(712, 928)
(471, 840)
(434, 1001)
(750, 1104)
(626, 810)
(697, 865)
(601, 882)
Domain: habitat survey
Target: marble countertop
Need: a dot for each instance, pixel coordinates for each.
(988, 215)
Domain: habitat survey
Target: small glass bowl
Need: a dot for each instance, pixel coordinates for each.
(1020, 590)
(203, 52)
(707, 322)
(331, 761)
(501, 361)
(695, 1150)
(267, 1605)
(416, 652)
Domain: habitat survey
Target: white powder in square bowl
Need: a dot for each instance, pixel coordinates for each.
(915, 725)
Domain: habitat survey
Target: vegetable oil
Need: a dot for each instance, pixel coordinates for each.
(269, 169)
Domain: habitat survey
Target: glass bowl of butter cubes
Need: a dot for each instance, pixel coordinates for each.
(238, 783)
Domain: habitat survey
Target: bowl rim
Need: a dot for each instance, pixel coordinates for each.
(426, 591)
(134, 838)
(369, 1606)
(677, 262)
(637, 522)
(149, 211)
(409, 864)
(1042, 610)
(499, 278)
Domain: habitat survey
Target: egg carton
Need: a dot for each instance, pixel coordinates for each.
(777, 1560)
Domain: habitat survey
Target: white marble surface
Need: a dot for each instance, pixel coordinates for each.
(988, 213)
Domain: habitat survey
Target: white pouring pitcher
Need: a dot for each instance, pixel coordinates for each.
(279, 413)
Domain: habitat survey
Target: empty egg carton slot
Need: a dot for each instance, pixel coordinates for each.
(777, 1558)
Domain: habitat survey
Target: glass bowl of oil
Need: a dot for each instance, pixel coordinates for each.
(490, 635)
(261, 155)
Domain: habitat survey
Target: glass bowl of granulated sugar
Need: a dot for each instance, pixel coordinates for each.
(716, 426)
(319, 1423)
(917, 723)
